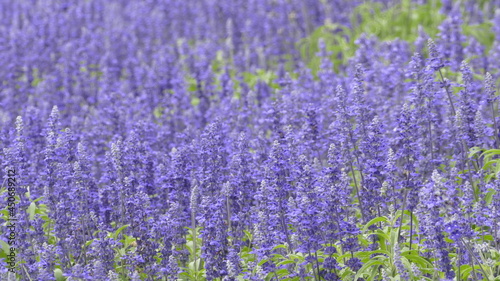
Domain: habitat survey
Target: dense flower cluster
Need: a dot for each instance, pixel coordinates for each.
(157, 140)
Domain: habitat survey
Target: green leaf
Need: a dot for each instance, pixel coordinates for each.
(278, 257)
(363, 270)
(119, 230)
(394, 237)
(488, 164)
(194, 267)
(422, 262)
(129, 240)
(186, 276)
(158, 112)
(474, 150)
(38, 199)
(382, 238)
(487, 178)
(248, 235)
(487, 237)
(195, 101)
(490, 152)
(374, 221)
(468, 269)
(489, 196)
(58, 274)
(31, 210)
(285, 262)
(5, 246)
(262, 262)
(296, 256)
(282, 271)
(369, 254)
(190, 246)
(279, 247)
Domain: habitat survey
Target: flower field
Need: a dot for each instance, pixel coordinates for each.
(257, 140)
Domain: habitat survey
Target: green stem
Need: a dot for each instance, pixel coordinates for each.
(448, 93)
(357, 193)
(193, 226)
(27, 274)
(458, 263)
(314, 273)
(411, 228)
(474, 257)
(497, 141)
(402, 214)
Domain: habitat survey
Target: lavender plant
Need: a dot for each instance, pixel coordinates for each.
(249, 140)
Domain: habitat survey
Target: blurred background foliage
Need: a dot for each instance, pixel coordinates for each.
(404, 20)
